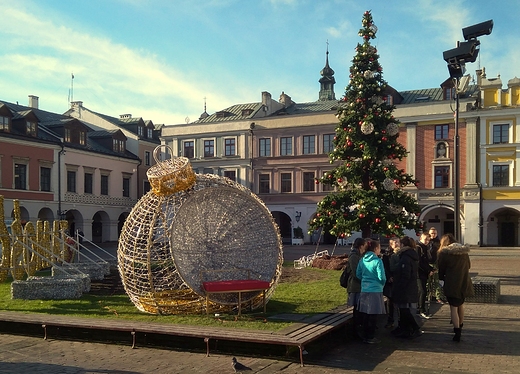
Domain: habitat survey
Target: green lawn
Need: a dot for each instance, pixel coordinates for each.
(303, 292)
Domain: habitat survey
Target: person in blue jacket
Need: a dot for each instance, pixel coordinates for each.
(371, 303)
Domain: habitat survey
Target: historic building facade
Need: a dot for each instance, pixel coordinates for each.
(91, 168)
(142, 137)
(284, 146)
(60, 167)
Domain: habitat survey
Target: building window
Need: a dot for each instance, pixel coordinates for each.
(309, 144)
(140, 131)
(500, 175)
(209, 148)
(308, 182)
(328, 143)
(265, 147)
(104, 185)
(286, 182)
(4, 123)
(229, 147)
(150, 133)
(189, 149)
(264, 184)
(441, 132)
(231, 174)
(31, 128)
(146, 187)
(327, 187)
(449, 93)
(286, 146)
(207, 171)
(500, 134)
(71, 181)
(389, 99)
(20, 176)
(118, 145)
(126, 187)
(82, 137)
(45, 179)
(66, 136)
(89, 178)
(442, 176)
(147, 158)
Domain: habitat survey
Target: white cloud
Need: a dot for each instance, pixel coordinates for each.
(342, 29)
(101, 67)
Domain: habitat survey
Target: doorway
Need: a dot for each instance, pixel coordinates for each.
(448, 227)
(507, 235)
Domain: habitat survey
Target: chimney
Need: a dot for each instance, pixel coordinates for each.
(33, 101)
(266, 98)
(479, 73)
(285, 100)
(125, 116)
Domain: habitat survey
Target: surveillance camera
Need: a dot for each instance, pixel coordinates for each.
(466, 51)
(473, 32)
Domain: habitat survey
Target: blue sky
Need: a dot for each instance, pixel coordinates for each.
(161, 60)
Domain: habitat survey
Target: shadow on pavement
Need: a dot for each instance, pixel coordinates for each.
(36, 367)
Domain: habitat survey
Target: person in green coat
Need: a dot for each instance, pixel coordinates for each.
(454, 264)
(371, 303)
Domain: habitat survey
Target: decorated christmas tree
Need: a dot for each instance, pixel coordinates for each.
(369, 194)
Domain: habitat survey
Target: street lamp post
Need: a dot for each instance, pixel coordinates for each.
(252, 135)
(456, 58)
(456, 164)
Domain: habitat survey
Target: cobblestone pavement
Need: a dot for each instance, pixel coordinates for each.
(490, 343)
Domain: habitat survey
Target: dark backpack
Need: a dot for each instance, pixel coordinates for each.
(345, 275)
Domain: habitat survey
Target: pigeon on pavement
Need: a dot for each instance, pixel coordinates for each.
(238, 367)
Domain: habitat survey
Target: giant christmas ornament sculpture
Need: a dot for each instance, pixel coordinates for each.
(195, 228)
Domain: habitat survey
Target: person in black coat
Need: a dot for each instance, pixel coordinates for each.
(425, 271)
(405, 291)
(393, 246)
(434, 245)
(354, 283)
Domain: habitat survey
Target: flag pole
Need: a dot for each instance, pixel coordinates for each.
(72, 88)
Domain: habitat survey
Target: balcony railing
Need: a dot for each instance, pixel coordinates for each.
(99, 200)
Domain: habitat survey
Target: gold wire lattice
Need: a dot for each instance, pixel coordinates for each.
(153, 236)
(170, 176)
(224, 234)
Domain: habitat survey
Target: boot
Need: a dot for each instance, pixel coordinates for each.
(457, 331)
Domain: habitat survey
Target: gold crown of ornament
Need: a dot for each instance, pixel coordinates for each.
(170, 176)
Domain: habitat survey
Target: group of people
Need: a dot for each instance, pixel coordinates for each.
(395, 282)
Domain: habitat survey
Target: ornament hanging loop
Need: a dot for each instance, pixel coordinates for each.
(156, 157)
(170, 176)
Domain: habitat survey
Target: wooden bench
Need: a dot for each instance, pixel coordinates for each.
(235, 286)
(297, 335)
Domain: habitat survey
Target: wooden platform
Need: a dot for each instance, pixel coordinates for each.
(297, 335)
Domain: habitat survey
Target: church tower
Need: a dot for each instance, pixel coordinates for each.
(327, 81)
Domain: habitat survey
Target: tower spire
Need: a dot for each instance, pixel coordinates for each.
(327, 80)
(204, 114)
